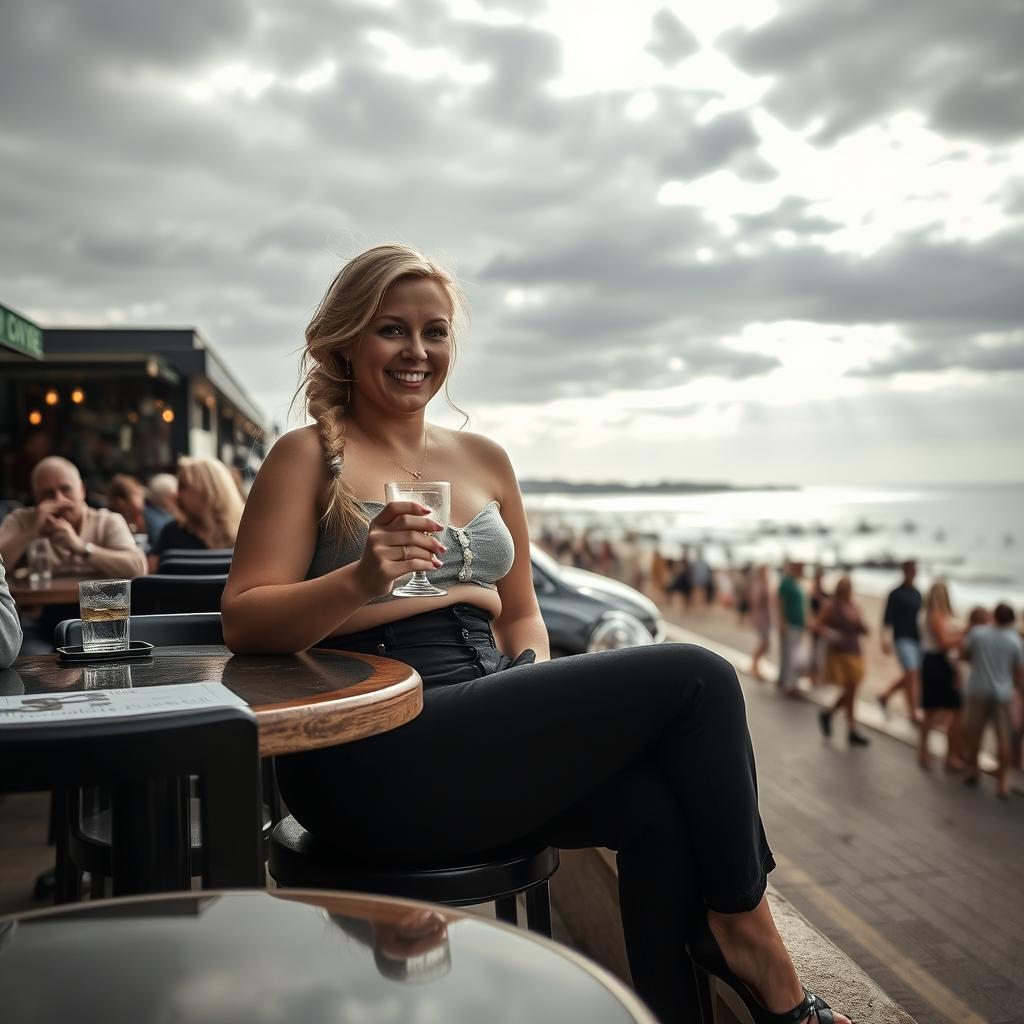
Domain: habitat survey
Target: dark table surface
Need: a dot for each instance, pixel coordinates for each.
(60, 590)
(314, 957)
(318, 698)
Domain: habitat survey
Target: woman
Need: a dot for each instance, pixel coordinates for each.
(819, 646)
(940, 693)
(210, 504)
(126, 495)
(759, 600)
(644, 750)
(840, 624)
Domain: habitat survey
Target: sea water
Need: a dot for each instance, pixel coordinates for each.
(970, 534)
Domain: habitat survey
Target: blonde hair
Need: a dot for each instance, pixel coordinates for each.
(349, 305)
(217, 526)
(938, 599)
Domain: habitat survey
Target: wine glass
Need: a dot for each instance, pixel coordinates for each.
(436, 495)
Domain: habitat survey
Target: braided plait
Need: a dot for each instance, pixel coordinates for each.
(328, 393)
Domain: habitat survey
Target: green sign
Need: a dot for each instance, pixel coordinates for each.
(20, 334)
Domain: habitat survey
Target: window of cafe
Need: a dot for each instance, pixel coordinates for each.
(105, 425)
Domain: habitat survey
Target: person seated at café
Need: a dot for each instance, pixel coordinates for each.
(80, 541)
(10, 625)
(163, 493)
(643, 750)
(127, 496)
(211, 508)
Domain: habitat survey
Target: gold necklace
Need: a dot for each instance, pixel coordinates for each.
(417, 473)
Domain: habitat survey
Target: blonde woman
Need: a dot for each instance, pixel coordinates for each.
(940, 692)
(644, 750)
(840, 624)
(211, 507)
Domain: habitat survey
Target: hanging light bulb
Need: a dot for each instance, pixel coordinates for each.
(167, 415)
(78, 396)
(35, 417)
(51, 398)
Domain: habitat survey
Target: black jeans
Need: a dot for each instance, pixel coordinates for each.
(644, 751)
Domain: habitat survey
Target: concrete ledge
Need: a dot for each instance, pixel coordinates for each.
(584, 892)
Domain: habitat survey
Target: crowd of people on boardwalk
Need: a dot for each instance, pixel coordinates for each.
(120, 533)
(957, 677)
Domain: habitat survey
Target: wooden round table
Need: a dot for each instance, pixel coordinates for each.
(302, 701)
(314, 957)
(318, 698)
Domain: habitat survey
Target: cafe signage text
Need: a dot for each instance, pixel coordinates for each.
(20, 334)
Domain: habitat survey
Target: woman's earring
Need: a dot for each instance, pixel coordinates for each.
(346, 396)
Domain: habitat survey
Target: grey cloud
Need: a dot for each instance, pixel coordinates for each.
(558, 366)
(671, 40)
(120, 31)
(989, 108)
(924, 358)
(791, 214)
(877, 422)
(301, 230)
(851, 62)
(703, 148)
(522, 61)
(166, 34)
(522, 7)
(235, 214)
(929, 286)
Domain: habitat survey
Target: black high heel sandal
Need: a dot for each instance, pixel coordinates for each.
(709, 963)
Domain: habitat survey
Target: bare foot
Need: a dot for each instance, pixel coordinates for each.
(755, 952)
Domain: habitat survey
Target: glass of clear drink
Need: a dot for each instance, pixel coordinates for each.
(436, 495)
(104, 606)
(39, 568)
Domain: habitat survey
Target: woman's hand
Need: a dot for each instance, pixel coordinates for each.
(399, 542)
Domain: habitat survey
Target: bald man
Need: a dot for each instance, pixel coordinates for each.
(83, 541)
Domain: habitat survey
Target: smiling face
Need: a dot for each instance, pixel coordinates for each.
(402, 359)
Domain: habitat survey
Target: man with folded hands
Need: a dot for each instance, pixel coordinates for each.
(81, 541)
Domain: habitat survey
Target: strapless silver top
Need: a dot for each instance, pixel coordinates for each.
(481, 552)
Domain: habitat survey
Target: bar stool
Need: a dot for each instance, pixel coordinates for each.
(298, 859)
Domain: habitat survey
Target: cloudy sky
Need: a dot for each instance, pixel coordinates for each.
(739, 240)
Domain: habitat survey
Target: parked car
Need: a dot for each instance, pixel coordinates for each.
(585, 611)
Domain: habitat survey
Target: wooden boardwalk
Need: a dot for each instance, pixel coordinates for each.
(918, 878)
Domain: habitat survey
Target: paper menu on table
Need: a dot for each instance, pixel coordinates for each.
(82, 705)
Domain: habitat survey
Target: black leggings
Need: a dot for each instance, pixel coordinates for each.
(644, 751)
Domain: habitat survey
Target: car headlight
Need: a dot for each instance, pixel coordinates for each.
(618, 629)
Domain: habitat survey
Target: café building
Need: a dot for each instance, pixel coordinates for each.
(119, 400)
